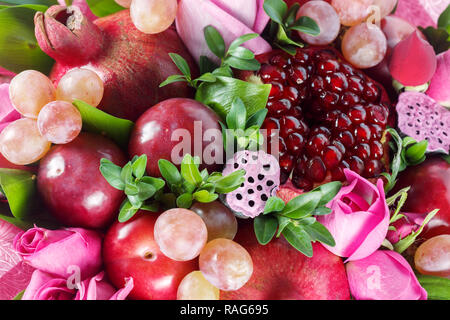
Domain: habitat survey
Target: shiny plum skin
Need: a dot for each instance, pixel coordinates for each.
(430, 189)
(157, 132)
(72, 187)
(130, 250)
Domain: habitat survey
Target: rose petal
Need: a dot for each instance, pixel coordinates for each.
(7, 111)
(194, 15)
(243, 10)
(261, 18)
(44, 286)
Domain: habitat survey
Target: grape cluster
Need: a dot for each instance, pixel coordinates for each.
(48, 113)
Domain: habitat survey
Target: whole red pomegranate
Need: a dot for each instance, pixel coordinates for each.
(430, 189)
(280, 272)
(130, 63)
(130, 250)
(330, 116)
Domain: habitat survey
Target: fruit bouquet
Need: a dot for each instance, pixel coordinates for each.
(224, 149)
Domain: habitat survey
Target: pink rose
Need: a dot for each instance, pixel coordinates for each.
(57, 251)
(405, 226)
(384, 275)
(7, 111)
(232, 18)
(360, 218)
(44, 286)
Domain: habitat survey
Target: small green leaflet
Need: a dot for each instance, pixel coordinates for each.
(103, 8)
(437, 288)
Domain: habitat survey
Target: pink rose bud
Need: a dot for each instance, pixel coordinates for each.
(360, 218)
(44, 286)
(232, 18)
(405, 226)
(58, 252)
(384, 275)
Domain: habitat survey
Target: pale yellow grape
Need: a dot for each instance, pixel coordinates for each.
(29, 91)
(59, 122)
(153, 16)
(180, 234)
(352, 12)
(21, 143)
(81, 84)
(386, 6)
(226, 264)
(194, 286)
(364, 45)
(124, 3)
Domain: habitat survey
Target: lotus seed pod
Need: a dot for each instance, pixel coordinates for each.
(422, 118)
(262, 179)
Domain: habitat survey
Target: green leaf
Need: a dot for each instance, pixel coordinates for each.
(265, 228)
(97, 121)
(127, 211)
(112, 173)
(135, 201)
(273, 204)
(19, 48)
(181, 64)
(306, 25)
(243, 64)
(184, 201)
(152, 207)
(172, 79)
(169, 172)
(242, 53)
(206, 65)
(292, 14)
(131, 189)
(328, 191)
(237, 116)
(276, 10)
(214, 41)
(298, 238)
(19, 295)
(318, 232)
(126, 174)
(302, 205)
(283, 222)
(257, 118)
(437, 288)
(139, 166)
(322, 211)
(36, 7)
(230, 182)
(241, 40)
(189, 170)
(145, 190)
(415, 154)
(103, 8)
(156, 183)
(444, 19)
(204, 196)
(221, 94)
(206, 77)
(19, 187)
(438, 38)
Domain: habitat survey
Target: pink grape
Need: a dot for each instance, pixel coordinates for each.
(21, 143)
(226, 264)
(433, 256)
(326, 18)
(194, 286)
(180, 234)
(29, 91)
(59, 122)
(81, 84)
(352, 12)
(219, 219)
(386, 6)
(364, 45)
(153, 16)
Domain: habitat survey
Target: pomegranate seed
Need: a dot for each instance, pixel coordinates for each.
(321, 129)
(276, 90)
(296, 112)
(337, 82)
(329, 99)
(317, 84)
(372, 169)
(371, 92)
(288, 125)
(362, 151)
(327, 66)
(346, 138)
(295, 143)
(277, 108)
(376, 150)
(357, 114)
(287, 162)
(316, 169)
(337, 174)
(292, 94)
(377, 114)
(356, 164)
(362, 133)
(271, 124)
(349, 99)
(331, 156)
(270, 73)
(297, 75)
(316, 144)
(339, 145)
(343, 122)
(301, 57)
(279, 61)
(302, 183)
(355, 84)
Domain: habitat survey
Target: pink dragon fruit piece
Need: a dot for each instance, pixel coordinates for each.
(420, 117)
(439, 88)
(262, 180)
